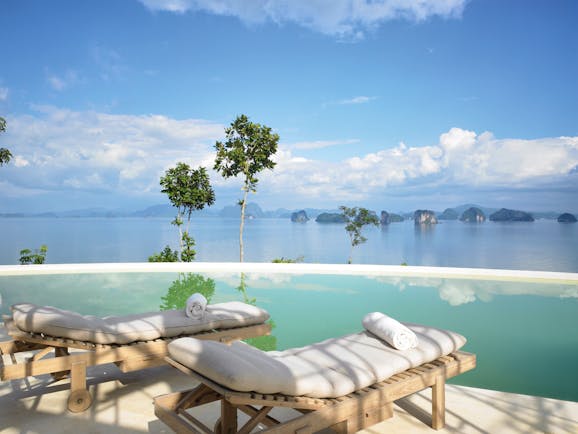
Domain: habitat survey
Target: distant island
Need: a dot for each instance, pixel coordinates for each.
(299, 217)
(448, 214)
(567, 218)
(328, 217)
(387, 218)
(424, 217)
(473, 215)
(510, 215)
(469, 213)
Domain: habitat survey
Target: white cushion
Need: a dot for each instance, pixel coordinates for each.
(131, 328)
(328, 369)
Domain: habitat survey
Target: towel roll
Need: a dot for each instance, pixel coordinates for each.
(390, 330)
(196, 305)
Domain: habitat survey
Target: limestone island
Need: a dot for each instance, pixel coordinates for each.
(567, 218)
(387, 218)
(510, 215)
(424, 217)
(328, 217)
(448, 214)
(473, 215)
(299, 217)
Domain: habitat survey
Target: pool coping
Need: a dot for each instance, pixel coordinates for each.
(300, 268)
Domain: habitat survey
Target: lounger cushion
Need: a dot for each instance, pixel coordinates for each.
(328, 369)
(131, 328)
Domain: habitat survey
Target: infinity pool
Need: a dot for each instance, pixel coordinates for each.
(524, 332)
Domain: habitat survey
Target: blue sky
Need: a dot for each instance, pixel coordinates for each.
(386, 104)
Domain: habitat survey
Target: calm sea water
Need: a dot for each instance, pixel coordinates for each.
(524, 334)
(541, 245)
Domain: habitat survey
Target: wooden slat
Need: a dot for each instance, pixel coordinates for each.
(255, 420)
(40, 354)
(14, 346)
(252, 412)
(203, 429)
(173, 419)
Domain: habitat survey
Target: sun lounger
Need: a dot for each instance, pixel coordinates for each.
(347, 383)
(132, 342)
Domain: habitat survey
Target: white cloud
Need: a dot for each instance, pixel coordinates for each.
(64, 81)
(125, 154)
(109, 62)
(3, 93)
(485, 160)
(177, 6)
(20, 162)
(357, 100)
(460, 159)
(350, 18)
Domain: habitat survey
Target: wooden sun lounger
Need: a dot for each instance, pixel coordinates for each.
(128, 357)
(346, 414)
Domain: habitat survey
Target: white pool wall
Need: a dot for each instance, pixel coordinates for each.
(265, 267)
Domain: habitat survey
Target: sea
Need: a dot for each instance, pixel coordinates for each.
(542, 245)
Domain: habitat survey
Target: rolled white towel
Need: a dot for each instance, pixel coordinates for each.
(390, 330)
(196, 305)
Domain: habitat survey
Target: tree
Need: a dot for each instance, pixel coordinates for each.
(188, 190)
(284, 260)
(247, 151)
(357, 218)
(167, 255)
(184, 287)
(28, 257)
(264, 343)
(5, 154)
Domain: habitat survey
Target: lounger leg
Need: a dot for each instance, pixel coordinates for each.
(364, 419)
(438, 403)
(345, 427)
(228, 417)
(60, 352)
(79, 399)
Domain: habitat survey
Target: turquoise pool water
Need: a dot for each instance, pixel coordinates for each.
(525, 334)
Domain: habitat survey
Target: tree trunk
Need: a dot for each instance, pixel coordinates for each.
(350, 250)
(243, 205)
(180, 235)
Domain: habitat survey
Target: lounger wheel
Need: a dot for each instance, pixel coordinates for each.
(79, 400)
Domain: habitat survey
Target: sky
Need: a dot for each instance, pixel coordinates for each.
(387, 104)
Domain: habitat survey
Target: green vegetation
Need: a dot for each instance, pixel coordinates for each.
(185, 286)
(356, 219)
(188, 190)
(28, 257)
(247, 151)
(283, 260)
(188, 284)
(265, 343)
(5, 154)
(167, 255)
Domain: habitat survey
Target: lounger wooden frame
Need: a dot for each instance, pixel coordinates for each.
(346, 414)
(129, 357)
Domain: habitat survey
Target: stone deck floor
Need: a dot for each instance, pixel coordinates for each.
(123, 404)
